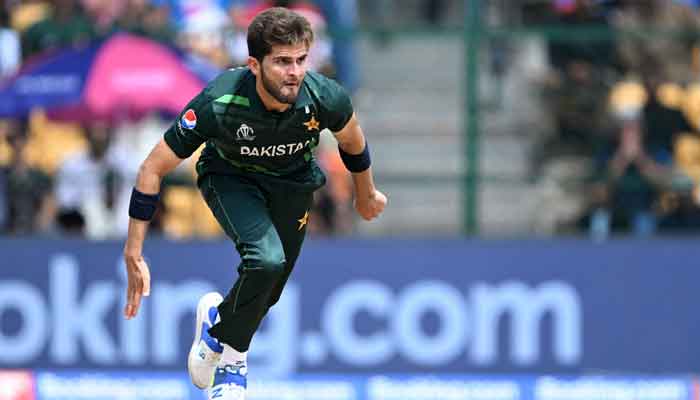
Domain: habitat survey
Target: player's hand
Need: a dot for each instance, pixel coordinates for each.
(139, 278)
(371, 206)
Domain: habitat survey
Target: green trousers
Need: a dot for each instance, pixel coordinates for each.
(267, 223)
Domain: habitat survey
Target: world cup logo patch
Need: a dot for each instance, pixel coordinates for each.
(189, 119)
(245, 132)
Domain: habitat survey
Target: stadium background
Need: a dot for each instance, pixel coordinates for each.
(541, 159)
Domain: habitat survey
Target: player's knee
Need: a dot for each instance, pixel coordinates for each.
(265, 260)
(272, 266)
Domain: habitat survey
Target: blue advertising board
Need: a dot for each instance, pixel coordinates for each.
(148, 385)
(368, 307)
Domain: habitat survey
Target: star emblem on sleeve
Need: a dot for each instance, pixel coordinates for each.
(312, 124)
(303, 220)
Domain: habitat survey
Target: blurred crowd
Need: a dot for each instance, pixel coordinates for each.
(623, 93)
(74, 178)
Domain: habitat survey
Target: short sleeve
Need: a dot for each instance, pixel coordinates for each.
(338, 106)
(195, 124)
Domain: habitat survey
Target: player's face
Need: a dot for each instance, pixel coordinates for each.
(283, 70)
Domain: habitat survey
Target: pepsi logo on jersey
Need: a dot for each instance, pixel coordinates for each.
(189, 119)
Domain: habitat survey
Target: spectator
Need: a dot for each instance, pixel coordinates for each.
(636, 168)
(143, 18)
(577, 100)
(196, 15)
(10, 49)
(66, 26)
(105, 14)
(433, 11)
(342, 17)
(632, 172)
(26, 13)
(320, 56)
(86, 187)
(577, 86)
(201, 25)
(29, 204)
(584, 13)
(663, 123)
(677, 27)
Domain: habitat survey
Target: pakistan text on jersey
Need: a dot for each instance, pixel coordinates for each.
(273, 150)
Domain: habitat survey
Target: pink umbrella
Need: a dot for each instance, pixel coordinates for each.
(124, 76)
(138, 75)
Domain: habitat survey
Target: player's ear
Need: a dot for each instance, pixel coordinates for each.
(254, 65)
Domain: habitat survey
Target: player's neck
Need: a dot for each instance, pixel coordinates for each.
(270, 103)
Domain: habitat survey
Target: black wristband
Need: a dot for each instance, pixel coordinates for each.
(356, 162)
(142, 206)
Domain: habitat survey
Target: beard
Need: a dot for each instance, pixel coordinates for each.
(276, 90)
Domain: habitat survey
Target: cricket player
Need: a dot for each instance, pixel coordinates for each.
(257, 174)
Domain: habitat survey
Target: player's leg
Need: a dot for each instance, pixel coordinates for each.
(290, 213)
(241, 209)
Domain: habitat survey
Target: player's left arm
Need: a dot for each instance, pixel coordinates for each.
(369, 202)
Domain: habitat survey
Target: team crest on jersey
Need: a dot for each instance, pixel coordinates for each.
(245, 132)
(189, 119)
(312, 124)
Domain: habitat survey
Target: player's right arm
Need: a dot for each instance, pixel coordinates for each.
(159, 163)
(179, 142)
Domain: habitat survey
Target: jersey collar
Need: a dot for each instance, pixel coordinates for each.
(304, 98)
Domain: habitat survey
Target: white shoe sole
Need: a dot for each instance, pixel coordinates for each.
(205, 303)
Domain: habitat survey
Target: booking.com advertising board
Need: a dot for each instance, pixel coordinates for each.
(371, 319)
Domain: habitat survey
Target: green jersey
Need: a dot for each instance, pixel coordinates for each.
(242, 136)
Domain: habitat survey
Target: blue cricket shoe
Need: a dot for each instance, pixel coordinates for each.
(229, 383)
(205, 352)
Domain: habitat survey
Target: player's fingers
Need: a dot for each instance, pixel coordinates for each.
(366, 214)
(146, 277)
(129, 309)
(129, 313)
(373, 212)
(137, 302)
(370, 211)
(129, 290)
(381, 202)
(134, 295)
(134, 300)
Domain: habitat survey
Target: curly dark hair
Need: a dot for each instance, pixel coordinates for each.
(277, 26)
